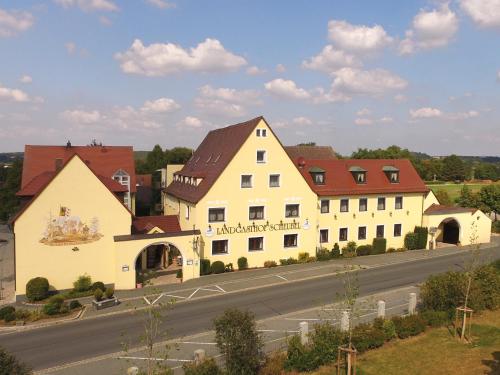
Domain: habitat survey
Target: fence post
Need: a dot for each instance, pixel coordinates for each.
(381, 309)
(412, 304)
(199, 356)
(304, 332)
(344, 321)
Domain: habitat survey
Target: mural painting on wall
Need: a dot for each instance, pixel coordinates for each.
(66, 229)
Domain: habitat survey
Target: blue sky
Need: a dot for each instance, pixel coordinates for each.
(420, 74)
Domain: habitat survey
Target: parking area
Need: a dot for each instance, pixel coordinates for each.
(275, 332)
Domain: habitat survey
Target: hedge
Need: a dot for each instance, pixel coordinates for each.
(379, 245)
(364, 250)
(6, 310)
(217, 267)
(242, 263)
(205, 267)
(422, 233)
(206, 367)
(411, 241)
(410, 325)
(366, 336)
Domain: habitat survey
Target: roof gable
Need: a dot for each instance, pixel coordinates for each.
(211, 158)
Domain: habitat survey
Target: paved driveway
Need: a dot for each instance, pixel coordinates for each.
(6, 265)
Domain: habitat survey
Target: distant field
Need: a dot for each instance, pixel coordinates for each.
(453, 190)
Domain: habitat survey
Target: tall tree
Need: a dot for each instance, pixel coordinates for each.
(467, 198)
(178, 155)
(155, 159)
(453, 168)
(490, 198)
(9, 202)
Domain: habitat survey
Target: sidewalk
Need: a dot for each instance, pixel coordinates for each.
(275, 332)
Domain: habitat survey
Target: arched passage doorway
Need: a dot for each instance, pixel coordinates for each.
(449, 231)
(158, 264)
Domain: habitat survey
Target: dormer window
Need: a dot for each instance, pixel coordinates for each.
(318, 175)
(359, 174)
(392, 173)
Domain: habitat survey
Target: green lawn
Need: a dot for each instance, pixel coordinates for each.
(453, 190)
(436, 352)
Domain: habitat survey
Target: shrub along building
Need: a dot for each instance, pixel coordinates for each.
(242, 194)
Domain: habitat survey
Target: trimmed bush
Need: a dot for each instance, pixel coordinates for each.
(54, 305)
(336, 251)
(206, 367)
(179, 274)
(9, 317)
(435, 318)
(422, 233)
(98, 294)
(288, 261)
(205, 267)
(270, 264)
(217, 267)
(75, 304)
(37, 289)
(109, 292)
(411, 241)
(407, 326)
(366, 336)
(242, 263)
(229, 267)
(22, 314)
(387, 327)
(350, 249)
(391, 250)
(443, 292)
(98, 285)
(323, 254)
(379, 245)
(6, 310)
(83, 283)
(364, 250)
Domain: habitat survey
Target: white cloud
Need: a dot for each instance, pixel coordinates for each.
(26, 79)
(400, 98)
(363, 121)
(192, 122)
(358, 38)
(162, 4)
(13, 22)
(462, 115)
(161, 105)
(430, 29)
(255, 70)
(89, 5)
(331, 59)
(14, 95)
(425, 112)
(486, 13)
(286, 89)
(161, 59)
(302, 121)
(226, 101)
(364, 112)
(386, 120)
(370, 82)
(79, 116)
(280, 68)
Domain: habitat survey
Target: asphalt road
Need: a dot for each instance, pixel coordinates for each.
(51, 346)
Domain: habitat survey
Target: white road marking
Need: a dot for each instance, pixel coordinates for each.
(281, 277)
(192, 294)
(196, 343)
(158, 359)
(171, 295)
(310, 319)
(275, 330)
(222, 290)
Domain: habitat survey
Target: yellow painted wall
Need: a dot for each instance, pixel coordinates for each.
(77, 188)
(474, 227)
(226, 192)
(409, 217)
(429, 200)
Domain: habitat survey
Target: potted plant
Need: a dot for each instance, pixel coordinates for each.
(104, 299)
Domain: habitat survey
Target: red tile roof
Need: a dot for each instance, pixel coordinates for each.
(144, 180)
(167, 223)
(340, 181)
(211, 158)
(311, 152)
(39, 182)
(439, 209)
(103, 160)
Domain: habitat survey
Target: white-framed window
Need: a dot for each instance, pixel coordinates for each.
(261, 132)
(187, 212)
(257, 132)
(256, 244)
(216, 214)
(325, 206)
(380, 231)
(123, 178)
(323, 235)
(246, 181)
(318, 178)
(292, 210)
(394, 177)
(362, 233)
(256, 213)
(343, 232)
(220, 247)
(344, 205)
(261, 156)
(360, 177)
(363, 204)
(398, 203)
(274, 180)
(397, 230)
(290, 240)
(381, 203)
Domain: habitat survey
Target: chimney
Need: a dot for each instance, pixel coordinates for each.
(58, 164)
(68, 144)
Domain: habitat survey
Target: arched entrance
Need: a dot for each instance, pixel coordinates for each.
(449, 231)
(158, 264)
